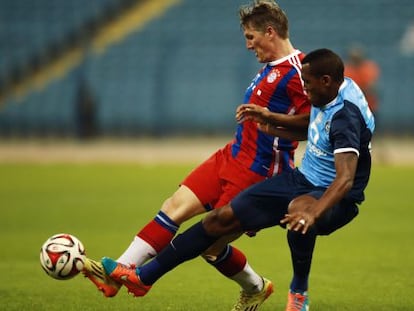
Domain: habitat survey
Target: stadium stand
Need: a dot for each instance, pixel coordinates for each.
(169, 66)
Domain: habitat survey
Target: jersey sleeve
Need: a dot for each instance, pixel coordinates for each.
(345, 129)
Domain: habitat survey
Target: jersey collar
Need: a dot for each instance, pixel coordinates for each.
(283, 59)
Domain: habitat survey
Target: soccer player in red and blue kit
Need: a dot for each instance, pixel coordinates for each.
(318, 198)
(278, 88)
(250, 157)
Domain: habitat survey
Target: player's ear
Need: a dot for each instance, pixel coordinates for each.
(326, 79)
(270, 31)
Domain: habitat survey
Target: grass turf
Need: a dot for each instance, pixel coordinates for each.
(367, 265)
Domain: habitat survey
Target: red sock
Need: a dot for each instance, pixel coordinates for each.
(156, 235)
(232, 262)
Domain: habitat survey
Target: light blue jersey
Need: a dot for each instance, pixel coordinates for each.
(345, 124)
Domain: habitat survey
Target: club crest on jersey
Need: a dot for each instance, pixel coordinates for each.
(327, 126)
(273, 75)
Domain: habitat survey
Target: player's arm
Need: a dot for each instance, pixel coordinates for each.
(291, 134)
(345, 166)
(292, 127)
(264, 116)
(311, 209)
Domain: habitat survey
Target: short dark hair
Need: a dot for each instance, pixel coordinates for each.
(325, 62)
(263, 13)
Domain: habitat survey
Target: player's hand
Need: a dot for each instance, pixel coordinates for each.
(251, 112)
(298, 221)
(301, 214)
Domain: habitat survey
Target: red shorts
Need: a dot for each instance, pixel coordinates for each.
(220, 178)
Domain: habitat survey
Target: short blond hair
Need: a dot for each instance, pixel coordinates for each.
(263, 13)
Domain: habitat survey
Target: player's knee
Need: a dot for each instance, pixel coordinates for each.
(168, 206)
(300, 203)
(221, 222)
(174, 210)
(180, 210)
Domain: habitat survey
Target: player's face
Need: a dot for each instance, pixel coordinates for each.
(315, 87)
(258, 42)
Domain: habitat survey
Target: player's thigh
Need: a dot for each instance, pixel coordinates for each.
(219, 179)
(332, 219)
(336, 217)
(264, 204)
(204, 181)
(239, 180)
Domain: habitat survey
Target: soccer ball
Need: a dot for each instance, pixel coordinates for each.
(62, 256)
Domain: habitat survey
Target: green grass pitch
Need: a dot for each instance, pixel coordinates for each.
(368, 265)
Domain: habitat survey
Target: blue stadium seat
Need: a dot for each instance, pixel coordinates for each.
(186, 70)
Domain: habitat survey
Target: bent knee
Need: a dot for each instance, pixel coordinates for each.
(182, 205)
(300, 203)
(221, 222)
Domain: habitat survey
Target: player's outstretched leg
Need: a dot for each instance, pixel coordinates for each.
(297, 301)
(248, 302)
(95, 272)
(125, 275)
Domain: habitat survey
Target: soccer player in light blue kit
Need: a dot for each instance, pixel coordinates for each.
(316, 199)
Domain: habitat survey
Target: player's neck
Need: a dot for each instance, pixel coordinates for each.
(282, 49)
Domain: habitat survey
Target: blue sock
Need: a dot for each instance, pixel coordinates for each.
(185, 246)
(301, 249)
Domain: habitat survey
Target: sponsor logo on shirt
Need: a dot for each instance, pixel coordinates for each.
(316, 151)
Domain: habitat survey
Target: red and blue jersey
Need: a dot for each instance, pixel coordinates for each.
(277, 87)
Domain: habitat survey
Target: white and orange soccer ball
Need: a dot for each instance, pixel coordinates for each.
(62, 256)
